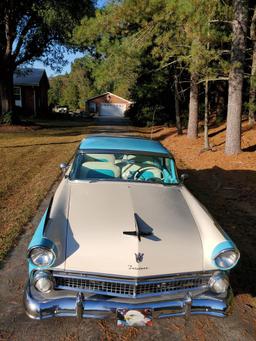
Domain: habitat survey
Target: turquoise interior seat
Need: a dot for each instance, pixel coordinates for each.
(98, 170)
(100, 157)
(100, 174)
(144, 159)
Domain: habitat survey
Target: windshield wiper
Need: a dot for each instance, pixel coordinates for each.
(138, 231)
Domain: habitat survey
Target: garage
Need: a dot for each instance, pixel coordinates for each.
(113, 110)
(108, 105)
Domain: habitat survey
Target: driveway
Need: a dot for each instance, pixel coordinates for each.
(15, 325)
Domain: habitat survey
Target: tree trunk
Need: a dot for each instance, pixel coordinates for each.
(236, 75)
(252, 94)
(206, 116)
(6, 90)
(193, 107)
(177, 106)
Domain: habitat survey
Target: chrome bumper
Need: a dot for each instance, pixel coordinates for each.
(64, 304)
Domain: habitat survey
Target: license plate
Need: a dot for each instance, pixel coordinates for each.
(134, 318)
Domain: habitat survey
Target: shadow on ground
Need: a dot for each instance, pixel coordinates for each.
(229, 196)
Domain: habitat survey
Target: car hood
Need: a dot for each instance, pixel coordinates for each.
(99, 214)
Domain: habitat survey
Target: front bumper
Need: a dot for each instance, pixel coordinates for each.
(71, 304)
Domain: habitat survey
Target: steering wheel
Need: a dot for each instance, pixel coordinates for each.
(139, 173)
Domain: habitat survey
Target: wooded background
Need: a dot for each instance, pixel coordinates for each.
(179, 61)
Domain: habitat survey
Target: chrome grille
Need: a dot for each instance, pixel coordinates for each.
(130, 288)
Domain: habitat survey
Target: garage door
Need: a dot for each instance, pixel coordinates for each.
(112, 110)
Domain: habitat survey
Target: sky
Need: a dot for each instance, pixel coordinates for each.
(69, 56)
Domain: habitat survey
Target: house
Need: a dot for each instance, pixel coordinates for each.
(31, 91)
(108, 105)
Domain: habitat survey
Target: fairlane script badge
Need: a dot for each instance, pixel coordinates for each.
(139, 257)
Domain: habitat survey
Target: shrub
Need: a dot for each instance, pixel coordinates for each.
(9, 118)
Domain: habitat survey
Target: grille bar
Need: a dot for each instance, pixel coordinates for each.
(131, 288)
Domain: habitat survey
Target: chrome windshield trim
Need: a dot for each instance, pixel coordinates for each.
(117, 180)
(123, 151)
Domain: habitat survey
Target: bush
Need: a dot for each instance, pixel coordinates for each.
(9, 118)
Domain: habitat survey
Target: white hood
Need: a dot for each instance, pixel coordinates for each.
(99, 213)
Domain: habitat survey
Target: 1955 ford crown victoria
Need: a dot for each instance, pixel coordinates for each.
(124, 238)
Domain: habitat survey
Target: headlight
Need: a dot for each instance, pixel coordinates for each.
(227, 259)
(43, 281)
(41, 256)
(219, 283)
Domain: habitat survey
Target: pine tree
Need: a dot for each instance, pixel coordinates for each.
(252, 94)
(193, 106)
(233, 133)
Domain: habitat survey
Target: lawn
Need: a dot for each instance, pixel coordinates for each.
(29, 160)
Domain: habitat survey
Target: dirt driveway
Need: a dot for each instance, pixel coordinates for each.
(15, 325)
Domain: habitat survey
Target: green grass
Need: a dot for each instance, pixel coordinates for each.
(29, 163)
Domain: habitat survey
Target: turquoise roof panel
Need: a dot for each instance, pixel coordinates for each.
(118, 144)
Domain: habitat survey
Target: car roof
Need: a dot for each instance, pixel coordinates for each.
(108, 144)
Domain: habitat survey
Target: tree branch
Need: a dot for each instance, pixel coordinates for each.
(221, 21)
(213, 79)
(25, 30)
(166, 65)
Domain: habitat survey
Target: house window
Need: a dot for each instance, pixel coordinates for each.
(92, 107)
(17, 96)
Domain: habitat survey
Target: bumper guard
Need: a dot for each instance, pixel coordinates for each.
(72, 304)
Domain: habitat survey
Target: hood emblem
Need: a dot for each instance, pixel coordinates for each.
(139, 257)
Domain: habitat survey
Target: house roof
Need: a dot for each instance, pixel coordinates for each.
(28, 76)
(108, 93)
(106, 143)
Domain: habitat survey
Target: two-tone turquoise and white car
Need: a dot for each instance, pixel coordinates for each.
(124, 238)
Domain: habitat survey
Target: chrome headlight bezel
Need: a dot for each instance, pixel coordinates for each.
(226, 262)
(46, 252)
(46, 246)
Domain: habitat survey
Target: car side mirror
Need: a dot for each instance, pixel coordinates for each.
(184, 177)
(63, 167)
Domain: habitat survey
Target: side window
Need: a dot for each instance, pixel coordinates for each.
(17, 96)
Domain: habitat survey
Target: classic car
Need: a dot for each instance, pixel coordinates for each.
(124, 238)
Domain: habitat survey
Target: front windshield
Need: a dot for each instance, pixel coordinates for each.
(125, 167)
